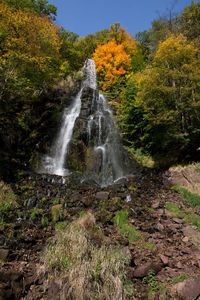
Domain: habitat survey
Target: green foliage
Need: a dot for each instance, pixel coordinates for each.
(35, 213)
(44, 221)
(191, 198)
(5, 208)
(127, 230)
(60, 225)
(41, 7)
(189, 22)
(153, 285)
(144, 159)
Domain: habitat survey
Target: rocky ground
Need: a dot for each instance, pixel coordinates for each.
(165, 258)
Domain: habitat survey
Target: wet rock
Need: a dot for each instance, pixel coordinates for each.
(188, 289)
(102, 195)
(31, 202)
(143, 270)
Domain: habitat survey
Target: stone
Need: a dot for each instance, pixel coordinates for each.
(144, 269)
(4, 254)
(164, 259)
(159, 227)
(155, 204)
(185, 239)
(189, 289)
(178, 221)
(102, 195)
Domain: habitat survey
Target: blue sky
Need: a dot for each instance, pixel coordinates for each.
(88, 16)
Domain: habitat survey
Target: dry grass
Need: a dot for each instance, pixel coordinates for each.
(89, 271)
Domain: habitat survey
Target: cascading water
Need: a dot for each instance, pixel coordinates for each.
(55, 164)
(102, 142)
(104, 138)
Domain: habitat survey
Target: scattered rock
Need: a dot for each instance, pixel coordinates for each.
(189, 289)
(102, 195)
(143, 270)
(185, 239)
(160, 227)
(164, 259)
(155, 204)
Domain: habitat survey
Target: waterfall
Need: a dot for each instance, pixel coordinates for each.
(104, 137)
(103, 143)
(55, 164)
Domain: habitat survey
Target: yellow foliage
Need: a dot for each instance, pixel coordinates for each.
(112, 62)
(27, 38)
(175, 51)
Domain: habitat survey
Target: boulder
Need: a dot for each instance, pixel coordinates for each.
(189, 289)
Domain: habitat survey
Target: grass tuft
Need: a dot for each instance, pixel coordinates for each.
(126, 230)
(91, 271)
(191, 198)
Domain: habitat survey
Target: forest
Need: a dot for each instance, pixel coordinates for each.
(141, 234)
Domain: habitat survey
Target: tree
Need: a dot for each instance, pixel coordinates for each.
(41, 7)
(170, 95)
(112, 63)
(189, 22)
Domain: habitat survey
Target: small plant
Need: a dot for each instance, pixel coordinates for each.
(127, 230)
(60, 225)
(55, 201)
(153, 285)
(179, 278)
(35, 212)
(128, 288)
(191, 198)
(150, 246)
(44, 221)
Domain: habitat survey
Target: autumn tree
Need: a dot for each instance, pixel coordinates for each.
(170, 95)
(112, 63)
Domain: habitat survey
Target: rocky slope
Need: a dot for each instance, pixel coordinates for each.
(165, 255)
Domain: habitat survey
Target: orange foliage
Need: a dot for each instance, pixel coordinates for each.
(112, 62)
